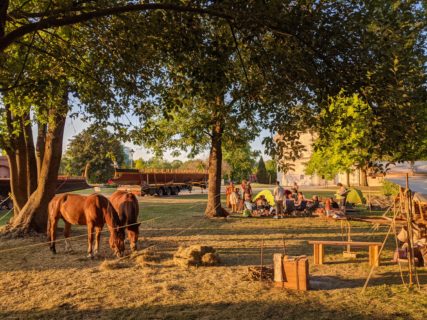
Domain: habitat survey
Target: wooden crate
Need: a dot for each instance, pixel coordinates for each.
(291, 272)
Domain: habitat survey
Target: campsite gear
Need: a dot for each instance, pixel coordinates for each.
(247, 213)
(291, 272)
(355, 196)
(267, 194)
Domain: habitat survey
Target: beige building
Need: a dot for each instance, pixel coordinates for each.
(299, 176)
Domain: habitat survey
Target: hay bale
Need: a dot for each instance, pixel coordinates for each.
(193, 255)
(210, 259)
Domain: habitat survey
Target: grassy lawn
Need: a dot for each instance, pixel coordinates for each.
(38, 285)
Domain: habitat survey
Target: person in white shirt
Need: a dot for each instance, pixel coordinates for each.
(279, 196)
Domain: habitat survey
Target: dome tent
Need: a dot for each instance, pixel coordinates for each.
(355, 196)
(267, 194)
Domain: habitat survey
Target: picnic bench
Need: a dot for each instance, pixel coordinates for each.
(319, 251)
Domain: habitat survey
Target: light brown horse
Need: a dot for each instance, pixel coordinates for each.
(126, 205)
(94, 211)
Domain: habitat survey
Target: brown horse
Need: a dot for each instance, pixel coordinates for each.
(94, 211)
(127, 207)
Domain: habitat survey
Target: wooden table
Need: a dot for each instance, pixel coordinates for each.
(319, 251)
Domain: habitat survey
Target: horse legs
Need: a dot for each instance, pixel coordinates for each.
(53, 222)
(133, 239)
(89, 240)
(97, 239)
(67, 230)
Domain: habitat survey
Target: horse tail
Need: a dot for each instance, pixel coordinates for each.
(52, 211)
(53, 214)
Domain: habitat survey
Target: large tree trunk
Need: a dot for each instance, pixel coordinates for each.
(363, 177)
(214, 208)
(40, 145)
(33, 215)
(16, 155)
(347, 176)
(31, 169)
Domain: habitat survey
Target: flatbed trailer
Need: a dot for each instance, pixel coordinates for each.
(160, 182)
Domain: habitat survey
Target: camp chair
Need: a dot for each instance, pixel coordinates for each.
(289, 206)
(302, 208)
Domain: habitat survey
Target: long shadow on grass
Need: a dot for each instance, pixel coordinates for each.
(335, 282)
(304, 309)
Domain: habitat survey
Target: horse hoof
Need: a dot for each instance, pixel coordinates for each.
(53, 250)
(90, 255)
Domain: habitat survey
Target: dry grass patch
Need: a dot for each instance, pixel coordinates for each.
(114, 264)
(35, 284)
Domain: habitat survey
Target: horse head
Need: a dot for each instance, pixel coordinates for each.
(117, 234)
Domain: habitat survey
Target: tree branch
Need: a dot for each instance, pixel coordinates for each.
(51, 22)
(4, 5)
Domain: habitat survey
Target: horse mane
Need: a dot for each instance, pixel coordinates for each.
(111, 216)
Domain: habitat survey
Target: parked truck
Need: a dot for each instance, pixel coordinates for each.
(159, 182)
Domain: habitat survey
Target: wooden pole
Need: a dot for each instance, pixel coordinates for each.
(284, 245)
(409, 227)
(377, 256)
(369, 199)
(262, 259)
(348, 236)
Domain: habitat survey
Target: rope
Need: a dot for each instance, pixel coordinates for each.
(379, 254)
(397, 249)
(4, 200)
(103, 231)
(74, 237)
(6, 214)
(173, 235)
(85, 235)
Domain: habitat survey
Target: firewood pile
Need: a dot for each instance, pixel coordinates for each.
(258, 273)
(380, 202)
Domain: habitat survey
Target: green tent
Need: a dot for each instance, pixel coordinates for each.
(355, 196)
(267, 194)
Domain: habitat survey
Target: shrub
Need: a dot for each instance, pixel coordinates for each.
(390, 188)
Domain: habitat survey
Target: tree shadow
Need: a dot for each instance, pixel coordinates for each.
(304, 309)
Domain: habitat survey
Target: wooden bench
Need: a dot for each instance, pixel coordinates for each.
(319, 252)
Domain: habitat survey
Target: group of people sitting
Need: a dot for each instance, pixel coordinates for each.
(329, 207)
(286, 202)
(239, 200)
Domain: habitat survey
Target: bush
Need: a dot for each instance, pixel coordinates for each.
(390, 188)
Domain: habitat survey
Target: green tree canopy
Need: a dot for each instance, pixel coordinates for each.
(271, 166)
(97, 147)
(261, 172)
(346, 137)
(241, 160)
